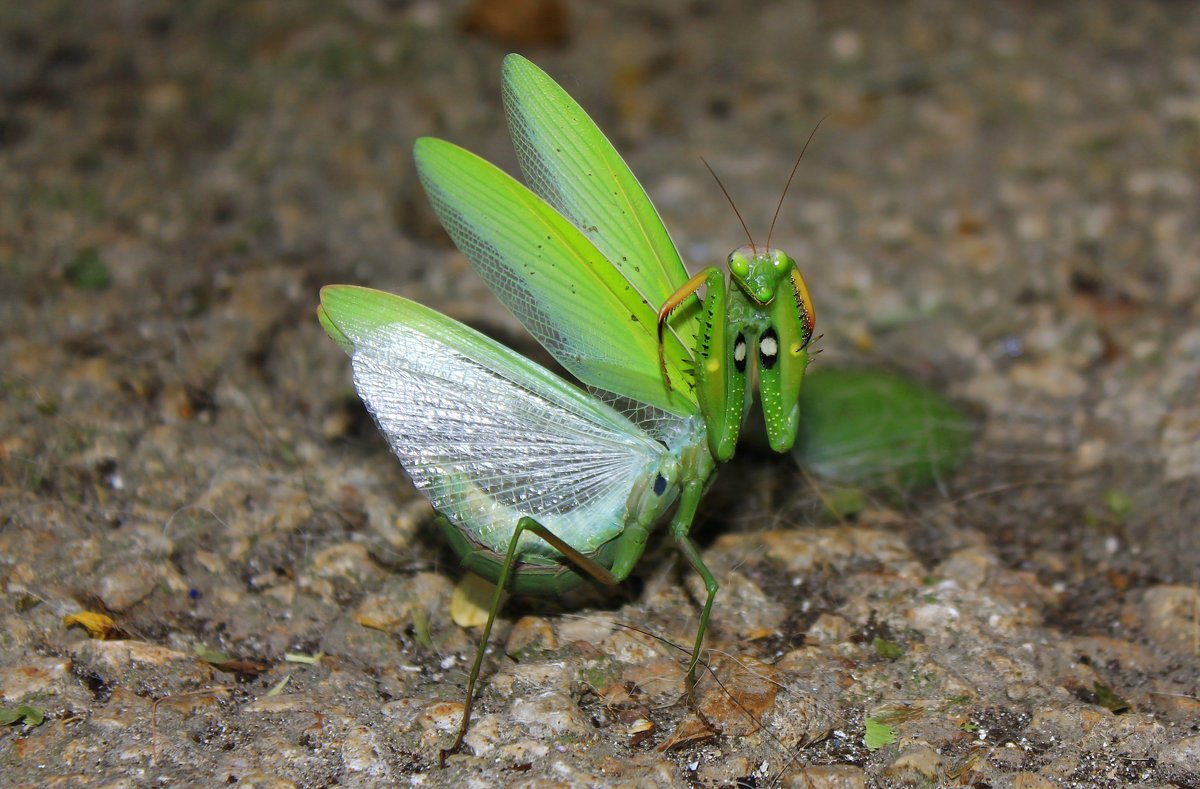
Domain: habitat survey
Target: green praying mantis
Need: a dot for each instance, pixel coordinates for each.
(537, 484)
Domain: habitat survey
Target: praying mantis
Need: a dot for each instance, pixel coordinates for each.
(537, 484)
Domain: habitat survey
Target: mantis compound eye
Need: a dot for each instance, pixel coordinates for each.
(739, 264)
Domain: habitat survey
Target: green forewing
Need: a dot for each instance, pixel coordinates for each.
(486, 434)
(580, 308)
(569, 162)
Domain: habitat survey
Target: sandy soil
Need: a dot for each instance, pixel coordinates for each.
(1001, 204)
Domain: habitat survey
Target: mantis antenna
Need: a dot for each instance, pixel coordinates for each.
(788, 185)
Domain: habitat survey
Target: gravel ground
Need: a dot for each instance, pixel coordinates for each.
(1002, 204)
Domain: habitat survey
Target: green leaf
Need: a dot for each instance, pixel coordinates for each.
(277, 688)
(421, 629)
(863, 426)
(1119, 503)
(32, 716)
(1107, 698)
(889, 650)
(878, 735)
(88, 272)
(300, 657)
(845, 502)
(211, 655)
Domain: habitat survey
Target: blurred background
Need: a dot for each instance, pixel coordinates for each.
(1001, 205)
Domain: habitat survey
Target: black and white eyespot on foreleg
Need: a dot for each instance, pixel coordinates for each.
(768, 348)
(739, 353)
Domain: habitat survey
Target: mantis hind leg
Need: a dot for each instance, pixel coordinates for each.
(580, 561)
(692, 554)
(689, 500)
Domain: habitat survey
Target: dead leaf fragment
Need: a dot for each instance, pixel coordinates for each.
(100, 626)
(471, 601)
(519, 22)
(747, 689)
(690, 729)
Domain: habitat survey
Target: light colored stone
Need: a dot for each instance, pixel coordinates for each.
(1183, 755)
(348, 561)
(38, 676)
(829, 776)
(1032, 781)
(535, 676)
(916, 766)
(745, 610)
(127, 584)
(363, 759)
(968, 568)
(551, 716)
(829, 629)
(530, 634)
(1171, 618)
(121, 655)
(262, 780)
